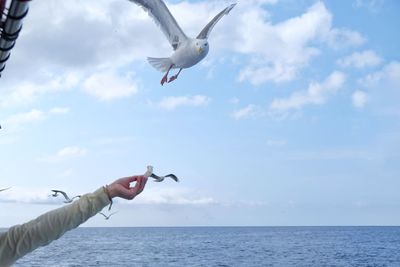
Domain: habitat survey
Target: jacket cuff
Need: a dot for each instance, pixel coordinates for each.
(102, 197)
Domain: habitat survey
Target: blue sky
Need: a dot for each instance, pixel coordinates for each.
(291, 119)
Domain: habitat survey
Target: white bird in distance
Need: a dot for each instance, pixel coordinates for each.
(107, 217)
(187, 51)
(4, 189)
(67, 198)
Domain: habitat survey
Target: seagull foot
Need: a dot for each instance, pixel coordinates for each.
(172, 78)
(164, 79)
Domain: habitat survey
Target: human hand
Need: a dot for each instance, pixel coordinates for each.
(121, 187)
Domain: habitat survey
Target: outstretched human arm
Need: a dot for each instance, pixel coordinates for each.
(22, 239)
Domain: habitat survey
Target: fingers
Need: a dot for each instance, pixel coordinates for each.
(139, 186)
(131, 179)
(122, 188)
(142, 184)
(126, 181)
(125, 193)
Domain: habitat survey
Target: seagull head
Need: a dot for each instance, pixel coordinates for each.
(202, 46)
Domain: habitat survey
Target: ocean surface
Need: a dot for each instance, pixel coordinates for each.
(222, 246)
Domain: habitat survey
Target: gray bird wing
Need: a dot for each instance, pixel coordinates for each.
(173, 176)
(154, 176)
(63, 193)
(4, 189)
(164, 19)
(207, 29)
(158, 178)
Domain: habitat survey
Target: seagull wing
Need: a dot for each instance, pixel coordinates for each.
(63, 193)
(207, 29)
(105, 216)
(5, 189)
(164, 19)
(154, 176)
(158, 178)
(173, 176)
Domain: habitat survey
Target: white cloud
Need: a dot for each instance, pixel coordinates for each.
(23, 118)
(65, 154)
(316, 94)
(27, 90)
(278, 52)
(383, 89)
(121, 33)
(72, 151)
(389, 74)
(28, 195)
(173, 196)
(113, 27)
(343, 38)
(177, 196)
(108, 86)
(59, 110)
(367, 58)
(19, 121)
(360, 98)
(247, 112)
(173, 102)
(65, 56)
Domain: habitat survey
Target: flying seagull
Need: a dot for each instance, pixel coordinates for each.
(149, 173)
(187, 51)
(4, 189)
(107, 217)
(67, 199)
(161, 178)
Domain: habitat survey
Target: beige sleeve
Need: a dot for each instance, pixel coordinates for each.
(22, 239)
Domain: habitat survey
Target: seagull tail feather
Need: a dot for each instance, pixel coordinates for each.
(161, 64)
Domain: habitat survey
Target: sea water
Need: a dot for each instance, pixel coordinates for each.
(222, 246)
